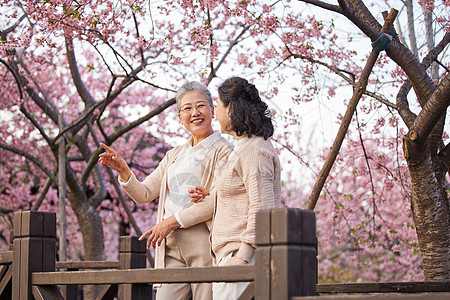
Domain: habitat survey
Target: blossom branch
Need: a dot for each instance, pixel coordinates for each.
(324, 5)
(33, 159)
(340, 73)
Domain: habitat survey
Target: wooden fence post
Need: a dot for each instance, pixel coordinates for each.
(132, 255)
(34, 249)
(286, 254)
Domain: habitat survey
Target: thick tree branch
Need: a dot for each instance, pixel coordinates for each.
(431, 112)
(76, 77)
(362, 83)
(160, 108)
(31, 158)
(16, 78)
(402, 102)
(360, 8)
(80, 121)
(403, 106)
(324, 5)
(358, 20)
(4, 33)
(37, 125)
(98, 178)
(434, 53)
(141, 51)
(421, 82)
(42, 194)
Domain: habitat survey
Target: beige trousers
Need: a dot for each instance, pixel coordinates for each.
(229, 290)
(187, 247)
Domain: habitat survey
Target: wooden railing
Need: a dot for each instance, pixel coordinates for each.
(285, 262)
(285, 266)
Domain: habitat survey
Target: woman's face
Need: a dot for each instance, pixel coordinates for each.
(223, 117)
(196, 113)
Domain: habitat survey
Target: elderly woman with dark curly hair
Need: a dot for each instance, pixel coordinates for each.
(249, 182)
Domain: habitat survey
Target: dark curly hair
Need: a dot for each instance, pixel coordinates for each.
(248, 113)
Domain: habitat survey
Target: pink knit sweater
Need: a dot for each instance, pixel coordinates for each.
(250, 181)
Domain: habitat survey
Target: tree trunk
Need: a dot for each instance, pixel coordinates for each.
(431, 212)
(90, 225)
(93, 241)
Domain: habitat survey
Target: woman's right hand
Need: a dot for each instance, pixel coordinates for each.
(113, 160)
(198, 194)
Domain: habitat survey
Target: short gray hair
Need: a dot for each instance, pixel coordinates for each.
(193, 86)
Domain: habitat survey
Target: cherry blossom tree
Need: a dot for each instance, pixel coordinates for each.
(423, 146)
(91, 71)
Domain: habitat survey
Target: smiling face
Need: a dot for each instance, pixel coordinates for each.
(196, 114)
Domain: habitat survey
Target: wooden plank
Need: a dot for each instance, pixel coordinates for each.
(17, 224)
(420, 296)
(32, 224)
(175, 275)
(132, 255)
(3, 270)
(114, 264)
(262, 222)
(31, 253)
(6, 282)
(308, 271)
(49, 225)
(109, 292)
(262, 273)
(6, 257)
(248, 293)
(293, 226)
(385, 287)
(132, 260)
(69, 291)
(16, 265)
(125, 260)
(281, 280)
(46, 293)
(292, 271)
(132, 244)
(48, 255)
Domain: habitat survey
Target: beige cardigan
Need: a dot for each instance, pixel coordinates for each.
(156, 183)
(249, 182)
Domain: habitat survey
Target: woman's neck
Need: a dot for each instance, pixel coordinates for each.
(198, 138)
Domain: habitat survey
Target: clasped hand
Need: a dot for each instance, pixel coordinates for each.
(160, 231)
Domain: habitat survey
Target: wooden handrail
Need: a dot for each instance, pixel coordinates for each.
(134, 276)
(285, 261)
(6, 257)
(94, 264)
(384, 287)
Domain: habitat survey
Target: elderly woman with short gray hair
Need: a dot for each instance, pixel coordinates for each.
(182, 169)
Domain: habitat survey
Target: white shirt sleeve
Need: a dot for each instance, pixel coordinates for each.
(125, 183)
(179, 220)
